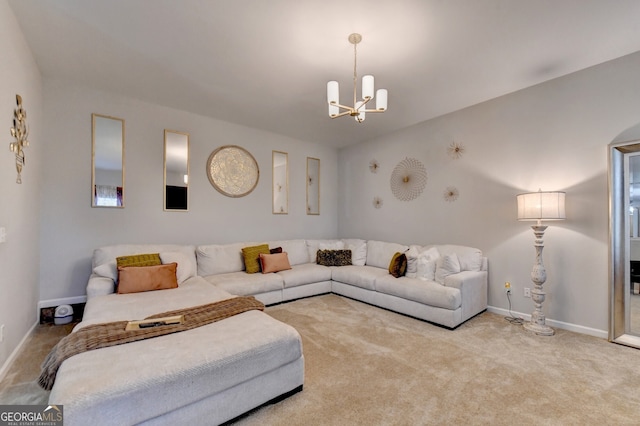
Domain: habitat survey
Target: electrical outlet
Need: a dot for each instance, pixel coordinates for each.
(507, 287)
(527, 292)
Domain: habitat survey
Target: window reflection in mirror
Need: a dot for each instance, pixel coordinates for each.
(107, 161)
(313, 185)
(280, 182)
(176, 170)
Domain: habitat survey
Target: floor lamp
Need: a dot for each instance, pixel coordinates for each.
(540, 206)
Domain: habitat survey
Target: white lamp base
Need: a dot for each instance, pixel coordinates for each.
(538, 276)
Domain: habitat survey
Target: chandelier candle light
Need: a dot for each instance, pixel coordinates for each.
(540, 206)
(358, 110)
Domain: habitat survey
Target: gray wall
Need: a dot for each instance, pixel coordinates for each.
(20, 204)
(553, 136)
(72, 229)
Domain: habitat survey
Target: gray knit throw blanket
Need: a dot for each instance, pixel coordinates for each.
(111, 334)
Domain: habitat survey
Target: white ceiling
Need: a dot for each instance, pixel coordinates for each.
(265, 63)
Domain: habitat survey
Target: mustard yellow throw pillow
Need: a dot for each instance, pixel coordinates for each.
(251, 257)
(147, 259)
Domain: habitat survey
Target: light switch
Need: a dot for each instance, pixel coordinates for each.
(3, 235)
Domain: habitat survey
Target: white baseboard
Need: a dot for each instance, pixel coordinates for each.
(603, 334)
(9, 362)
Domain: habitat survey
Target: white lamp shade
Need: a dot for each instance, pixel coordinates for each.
(541, 206)
(381, 100)
(367, 87)
(360, 117)
(333, 92)
(333, 110)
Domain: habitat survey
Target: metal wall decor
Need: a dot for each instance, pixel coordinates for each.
(408, 179)
(233, 171)
(455, 150)
(20, 132)
(451, 194)
(374, 166)
(377, 202)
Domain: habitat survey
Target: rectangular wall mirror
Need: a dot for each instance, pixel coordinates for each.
(313, 185)
(176, 170)
(280, 182)
(107, 161)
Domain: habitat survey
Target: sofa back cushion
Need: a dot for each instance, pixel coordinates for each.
(314, 245)
(296, 250)
(104, 258)
(379, 253)
(470, 258)
(358, 249)
(220, 258)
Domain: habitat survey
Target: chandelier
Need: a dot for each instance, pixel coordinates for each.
(358, 110)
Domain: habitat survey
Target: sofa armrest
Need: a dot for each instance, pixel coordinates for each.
(466, 278)
(99, 286)
(473, 288)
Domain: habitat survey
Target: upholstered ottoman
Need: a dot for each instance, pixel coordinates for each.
(206, 375)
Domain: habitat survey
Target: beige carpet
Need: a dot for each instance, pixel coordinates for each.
(365, 365)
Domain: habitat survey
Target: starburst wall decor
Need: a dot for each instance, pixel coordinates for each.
(455, 150)
(451, 194)
(374, 166)
(377, 202)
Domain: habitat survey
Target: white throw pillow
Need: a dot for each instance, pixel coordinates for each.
(412, 261)
(445, 266)
(186, 269)
(426, 264)
(108, 270)
(358, 251)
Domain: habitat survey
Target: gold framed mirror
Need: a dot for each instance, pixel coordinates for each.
(107, 161)
(176, 170)
(280, 182)
(313, 186)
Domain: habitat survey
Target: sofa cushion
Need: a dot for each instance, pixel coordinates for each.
(186, 269)
(398, 265)
(103, 261)
(426, 292)
(307, 273)
(359, 276)
(220, 259)
(358, 250)
(136, 279)
(446, 265)
(274, 262)
(242, 284)
(379, 253)
(251, 257)
(333, 257)
(296, 250)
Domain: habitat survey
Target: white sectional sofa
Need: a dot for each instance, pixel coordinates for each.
(246, 360)
(459, 297)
